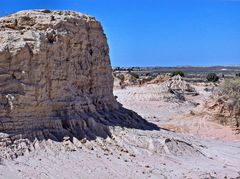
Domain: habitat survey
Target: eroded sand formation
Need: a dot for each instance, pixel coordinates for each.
(55, 78)
(56, 85)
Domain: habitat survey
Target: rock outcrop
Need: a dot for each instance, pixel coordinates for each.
(178, 87)
(56, 78)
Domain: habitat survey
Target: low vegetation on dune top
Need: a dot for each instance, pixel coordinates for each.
(231, 89)
(228, 103)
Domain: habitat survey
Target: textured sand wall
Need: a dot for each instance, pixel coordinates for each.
(56, 78)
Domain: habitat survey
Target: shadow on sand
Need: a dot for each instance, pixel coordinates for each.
(88, 125)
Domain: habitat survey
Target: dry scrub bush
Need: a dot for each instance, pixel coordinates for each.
(231, 89)
(229, 94)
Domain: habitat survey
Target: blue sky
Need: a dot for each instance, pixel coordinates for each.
(158, 32)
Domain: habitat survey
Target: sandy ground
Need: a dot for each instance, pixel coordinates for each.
(190, 147)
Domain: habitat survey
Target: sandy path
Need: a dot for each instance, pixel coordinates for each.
(174, 116)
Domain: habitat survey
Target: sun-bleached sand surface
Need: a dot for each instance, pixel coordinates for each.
(187, 146)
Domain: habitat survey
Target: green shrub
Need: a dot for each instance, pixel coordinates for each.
(134, 75)
(178, 72)
(120, 76)
(212, 77)
(152, 75)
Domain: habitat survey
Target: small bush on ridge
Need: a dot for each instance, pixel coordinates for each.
(212, 77)
(178, 72)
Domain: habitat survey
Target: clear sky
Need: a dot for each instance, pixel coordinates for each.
(158, 32)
